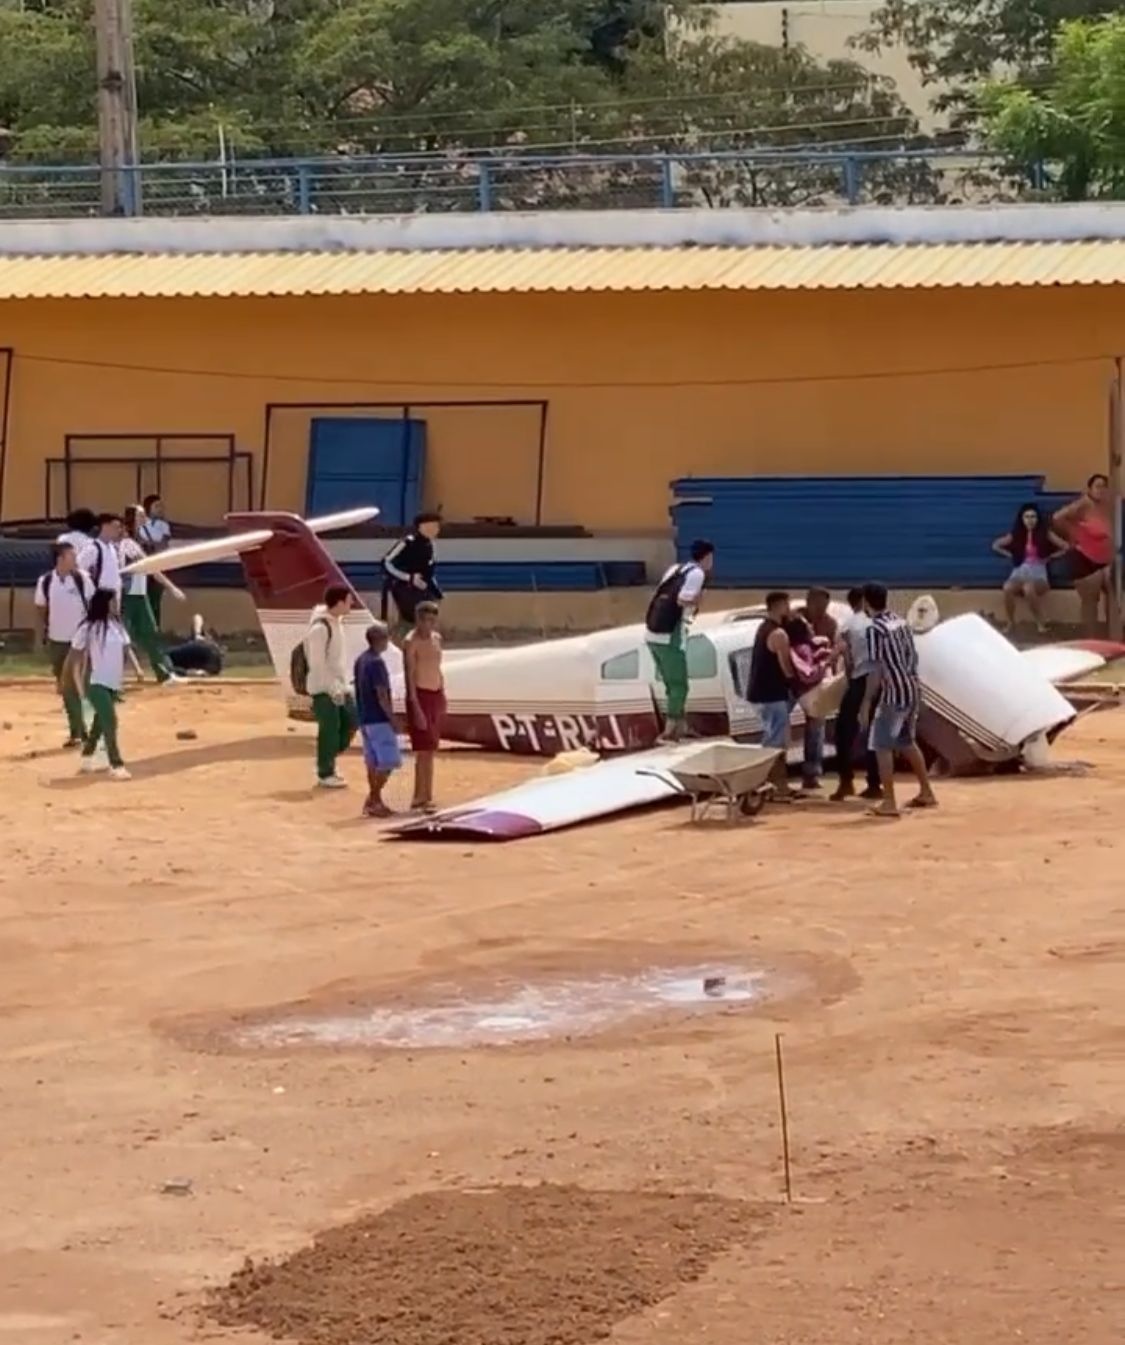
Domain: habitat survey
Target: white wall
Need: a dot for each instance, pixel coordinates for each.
(825, 28)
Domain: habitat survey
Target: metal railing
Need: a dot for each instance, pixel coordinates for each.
(443, 183)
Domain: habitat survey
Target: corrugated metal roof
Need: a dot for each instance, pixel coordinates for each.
(552, 270)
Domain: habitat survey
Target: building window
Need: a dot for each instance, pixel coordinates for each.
(624, 668)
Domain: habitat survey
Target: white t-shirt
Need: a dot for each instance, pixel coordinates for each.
(691, 590)
(156, 533)
(94, 551)
(853, 628)
(79, 540)
(106, 646)
(128, 550)
(64, 596)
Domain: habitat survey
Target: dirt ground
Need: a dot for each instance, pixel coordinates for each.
(955, 1062)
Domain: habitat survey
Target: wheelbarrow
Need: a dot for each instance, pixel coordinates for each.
(729, 774)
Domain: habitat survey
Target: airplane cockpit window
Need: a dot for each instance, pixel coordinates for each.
(623, 668)
(702, 660)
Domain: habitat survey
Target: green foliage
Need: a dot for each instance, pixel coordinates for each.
(1076, 126)
(284, 77)
(959, 43)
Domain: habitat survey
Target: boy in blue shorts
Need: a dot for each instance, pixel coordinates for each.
(381, 752)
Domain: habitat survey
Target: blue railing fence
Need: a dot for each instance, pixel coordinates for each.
(443, 183)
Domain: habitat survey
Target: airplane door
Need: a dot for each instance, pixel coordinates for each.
(735, 673)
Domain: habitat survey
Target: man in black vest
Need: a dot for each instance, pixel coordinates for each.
(670, 611)
(771, 685)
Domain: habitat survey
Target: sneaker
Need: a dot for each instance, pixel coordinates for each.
(810, 786)
(172, 680)
(872, 793)
(92, 766)
(331, 782)
(119, 773)
(72, 743)
(841, 793)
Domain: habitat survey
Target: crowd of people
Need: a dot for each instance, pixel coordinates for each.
(93, 618)
(869, 659)
(347, 699)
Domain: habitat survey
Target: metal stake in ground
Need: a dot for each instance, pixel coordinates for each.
(784, 1117)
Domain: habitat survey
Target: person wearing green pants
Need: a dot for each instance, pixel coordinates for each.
(62, 595)
(135, 607)
(670, 610)
(98, 659)
(329, 684)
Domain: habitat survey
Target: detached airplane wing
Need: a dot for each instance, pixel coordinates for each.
(549, 802)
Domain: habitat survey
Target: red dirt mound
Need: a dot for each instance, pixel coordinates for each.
(545, 1265)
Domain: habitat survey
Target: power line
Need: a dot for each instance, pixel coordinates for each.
(780, 380)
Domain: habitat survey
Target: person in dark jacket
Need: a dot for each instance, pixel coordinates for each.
(409, 569)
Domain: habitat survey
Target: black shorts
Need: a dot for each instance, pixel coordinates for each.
(1082, 567)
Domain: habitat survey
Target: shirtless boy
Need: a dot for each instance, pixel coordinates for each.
(425, 699)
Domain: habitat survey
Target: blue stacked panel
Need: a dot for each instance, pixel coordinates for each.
(906, 531)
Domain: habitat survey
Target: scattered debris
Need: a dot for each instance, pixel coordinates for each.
(177, 1186)
(187, 735)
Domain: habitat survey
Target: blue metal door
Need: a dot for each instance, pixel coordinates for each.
(361, 461)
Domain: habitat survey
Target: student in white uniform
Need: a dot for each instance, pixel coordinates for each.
(63, 595)
(98, 662)
(99, 556)
(136, 605)
(81, 524)
(154, 534)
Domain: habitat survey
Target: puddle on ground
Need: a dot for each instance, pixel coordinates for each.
(562, 1007)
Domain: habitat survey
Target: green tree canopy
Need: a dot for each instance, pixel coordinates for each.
(290, 77)
(959, 43)
(1075, 127)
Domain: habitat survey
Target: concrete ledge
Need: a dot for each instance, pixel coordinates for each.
(577, 229)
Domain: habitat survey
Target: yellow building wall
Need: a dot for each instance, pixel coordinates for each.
(642, 388)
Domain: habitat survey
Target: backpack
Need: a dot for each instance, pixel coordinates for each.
(299, 661)
(44, 580)
(664, 612)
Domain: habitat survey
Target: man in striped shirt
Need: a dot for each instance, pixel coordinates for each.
(893, 726)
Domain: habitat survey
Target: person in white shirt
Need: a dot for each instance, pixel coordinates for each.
(63, 596)
(136, 610)
(154, 534)
(852, 645)
(99, 556)
(81, 524)
(97, 661)
(329, 684)
(669, 614)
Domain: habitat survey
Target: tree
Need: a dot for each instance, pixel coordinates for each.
(959, 43)
(1076, 127)
(437, 83)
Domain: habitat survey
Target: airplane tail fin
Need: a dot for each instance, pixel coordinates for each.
(287, 576)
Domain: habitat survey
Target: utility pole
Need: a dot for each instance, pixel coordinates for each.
(117, 107)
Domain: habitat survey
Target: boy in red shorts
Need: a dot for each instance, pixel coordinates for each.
(425, 699)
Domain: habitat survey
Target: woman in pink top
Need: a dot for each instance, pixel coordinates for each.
(1088, 524)
(1029, 545)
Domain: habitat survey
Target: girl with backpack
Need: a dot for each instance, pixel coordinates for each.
(97, 665)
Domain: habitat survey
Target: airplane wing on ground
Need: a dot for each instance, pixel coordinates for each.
(549, 802)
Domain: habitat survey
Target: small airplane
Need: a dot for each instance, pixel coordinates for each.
(983, 700)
